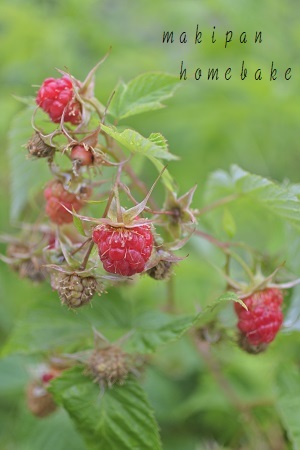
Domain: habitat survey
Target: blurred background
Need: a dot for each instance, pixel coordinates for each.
(209, 124)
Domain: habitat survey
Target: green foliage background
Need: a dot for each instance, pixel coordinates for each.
(209, 125)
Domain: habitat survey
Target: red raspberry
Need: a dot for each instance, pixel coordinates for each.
(57, 197)
(82, 154)
(124, 250)
(48, 376)
(264, 317)
(57, 94)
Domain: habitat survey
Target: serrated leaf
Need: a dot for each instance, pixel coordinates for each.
(166, 176)
(153, 149)
(47, 328)
(279, 200)
(27, 175)
(288, 403)
(78, 224)
(143, 93)
(51, 326)
(56, 432)
(153, 329)
(120, 418)
(155, 145)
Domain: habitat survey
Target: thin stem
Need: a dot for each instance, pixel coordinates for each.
(251, 426)
(216, 204)
(87, 255)
(139, 185)
(130, 196)
(242, 264)
(97, 106)
(212, 239)
(110, 199)
(225, 247)
(119, 211)
(117, 154)
(80, 247)
(288, 285)
(170, 305)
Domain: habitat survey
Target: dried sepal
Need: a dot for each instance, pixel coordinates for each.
(108, 364)
(26, 261)
(38, 148)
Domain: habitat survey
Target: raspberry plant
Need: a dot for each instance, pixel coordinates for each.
(99, 228)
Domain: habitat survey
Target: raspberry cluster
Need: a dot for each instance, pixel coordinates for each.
(124, 251)
(261, 323)
(56, 96)
(58, 199)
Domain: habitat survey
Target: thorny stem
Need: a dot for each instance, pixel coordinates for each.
(251, 426)
(87, 255)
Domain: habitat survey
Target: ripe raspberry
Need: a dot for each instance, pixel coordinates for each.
(48, 376)
(57, 197)
(261, 323)
(109, 365)
(82, 155)
(74, 290)
(57, 94)
(124, 251)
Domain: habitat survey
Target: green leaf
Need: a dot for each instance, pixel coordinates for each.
(153, 329)
(43, 329)
(28, 101)
(52, 327)
(166, 176)
(155, 145)
(154, 148)
(119, 418)
(143, 93)
(288, 403)
(211, 311)
(279, 200)
(78, 224)
(56, 432)
(229, 223)
(27, 175)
